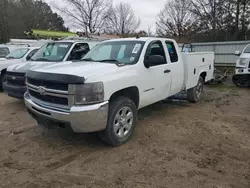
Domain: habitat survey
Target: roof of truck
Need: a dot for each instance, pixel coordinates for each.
(73, 41)
(141, 39)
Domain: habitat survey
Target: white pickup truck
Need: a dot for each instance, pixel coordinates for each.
(16, 56)
(242, 69)
(50, 53)
(103, 92)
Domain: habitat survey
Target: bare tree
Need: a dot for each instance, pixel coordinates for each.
(89, 15)
(210, 14)
(175, 19)
(149, 31)
(4, 33)
(122, 20)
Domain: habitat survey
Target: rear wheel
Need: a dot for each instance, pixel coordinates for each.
(3, 79)
(121, 122)
(194, 94)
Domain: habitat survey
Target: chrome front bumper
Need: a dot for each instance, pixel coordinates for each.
(82, 119)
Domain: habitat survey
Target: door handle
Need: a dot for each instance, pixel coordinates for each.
(167, 71)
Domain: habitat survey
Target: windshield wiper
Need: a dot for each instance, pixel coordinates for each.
(87, 59)
(110, 60)
(119, 64)
(40, 59)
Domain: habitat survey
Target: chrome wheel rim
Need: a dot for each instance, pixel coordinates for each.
(199, 89)
(123, 121)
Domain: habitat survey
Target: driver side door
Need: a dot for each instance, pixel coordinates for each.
(156, 81)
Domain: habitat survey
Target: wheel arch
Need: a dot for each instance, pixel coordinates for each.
(203, 74)
(3, 71)
(130, 92)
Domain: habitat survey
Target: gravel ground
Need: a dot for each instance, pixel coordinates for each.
(176, 145)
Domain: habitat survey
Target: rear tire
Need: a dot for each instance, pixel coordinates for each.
(194, 94)
(3, 79)
(121, 122)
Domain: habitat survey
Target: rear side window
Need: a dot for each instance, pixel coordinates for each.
(172, 51)
(4, 52)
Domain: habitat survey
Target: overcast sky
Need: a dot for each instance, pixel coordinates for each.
(145, 9)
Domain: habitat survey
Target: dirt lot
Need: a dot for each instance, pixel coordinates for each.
(176, 144)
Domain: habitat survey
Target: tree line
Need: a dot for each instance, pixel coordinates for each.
(205, 20)
(17, 16)
(100, 16)
(184, 20)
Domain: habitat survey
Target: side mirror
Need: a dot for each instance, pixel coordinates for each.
(154, 60)
(237, 53)
(28, 58)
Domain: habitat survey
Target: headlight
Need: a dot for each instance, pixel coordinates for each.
(89, 93)
(243, 61)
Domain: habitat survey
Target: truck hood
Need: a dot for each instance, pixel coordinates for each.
(28, 65)
(80, 69)
(2, 59)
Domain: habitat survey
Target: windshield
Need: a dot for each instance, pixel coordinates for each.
(17, 54)
(247, 50)
(126, 52)
(3, 52)
(54, 51)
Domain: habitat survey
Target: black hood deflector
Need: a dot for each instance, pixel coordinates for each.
(57, 78)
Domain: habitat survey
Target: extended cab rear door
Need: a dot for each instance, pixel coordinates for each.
(156, 80)
(175, 65)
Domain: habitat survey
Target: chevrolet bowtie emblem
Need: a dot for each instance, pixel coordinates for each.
(13, 77)
(41, 90)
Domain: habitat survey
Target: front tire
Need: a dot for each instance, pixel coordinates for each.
(3, 79)
(194, 94)
(121, 122)
(241, 80)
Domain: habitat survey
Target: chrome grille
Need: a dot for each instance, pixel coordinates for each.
(49, 98)
(48, 84)
(49, 93)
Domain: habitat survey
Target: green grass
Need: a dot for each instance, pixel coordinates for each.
(52, 33)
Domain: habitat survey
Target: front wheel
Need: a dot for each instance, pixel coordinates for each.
(3, 79)
(194, 94)
(121, 122)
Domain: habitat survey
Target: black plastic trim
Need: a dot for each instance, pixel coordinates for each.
(57, 78)
(14, 91)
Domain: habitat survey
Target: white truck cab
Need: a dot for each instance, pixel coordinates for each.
(103, 92)
(18, 55)
(242, 69)
(51, 53)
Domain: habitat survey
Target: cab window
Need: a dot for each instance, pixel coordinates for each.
(247, 50)
(79, 51)
(172, 51)
(156, 48)
(4, 52)
(31, 54)
(17, 54)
